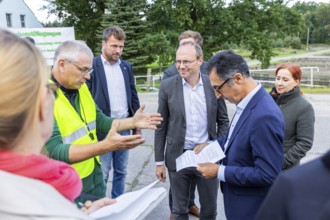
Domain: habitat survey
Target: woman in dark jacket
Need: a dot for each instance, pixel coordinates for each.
(297, 111)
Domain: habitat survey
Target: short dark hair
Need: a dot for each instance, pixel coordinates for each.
(227, 63)
(115, 31)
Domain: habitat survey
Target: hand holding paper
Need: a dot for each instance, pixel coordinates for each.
(210, 153)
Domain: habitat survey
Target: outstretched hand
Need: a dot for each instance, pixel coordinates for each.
(146, 120)
(117, 142)
(90, 207)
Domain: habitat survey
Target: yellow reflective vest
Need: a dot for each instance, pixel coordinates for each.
(75, 129)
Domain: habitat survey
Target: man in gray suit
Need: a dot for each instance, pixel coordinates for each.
(196, 37)
(192, 116)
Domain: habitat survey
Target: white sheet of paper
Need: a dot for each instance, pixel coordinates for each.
(210, 153)
(123, 202)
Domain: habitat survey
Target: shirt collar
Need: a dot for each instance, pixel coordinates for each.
(242, 104)
(200, 82)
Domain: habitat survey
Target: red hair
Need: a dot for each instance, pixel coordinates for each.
(293, 68)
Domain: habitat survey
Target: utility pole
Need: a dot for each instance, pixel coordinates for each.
(307, 49)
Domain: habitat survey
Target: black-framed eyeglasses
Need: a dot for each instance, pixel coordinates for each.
(184, 62)
(82, 70)
(52, 87)
(218, 88)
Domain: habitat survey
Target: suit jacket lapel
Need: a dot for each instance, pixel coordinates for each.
(180, 99)
(101, 72)
(124, 70)
(209, 93)
(244, 116)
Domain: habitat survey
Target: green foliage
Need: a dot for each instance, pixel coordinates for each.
(84, 15)
(316, 21)
(130, 15)
(153, 26)
(277, 43)
(293, 42)
(52, 24)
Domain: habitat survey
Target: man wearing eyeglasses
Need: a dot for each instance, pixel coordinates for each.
(194, 36)
(77, 118)
(185, 36)
(254, 143)
(192, 117)
(113, 89)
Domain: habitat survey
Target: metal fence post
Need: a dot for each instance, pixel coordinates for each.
(312, 77)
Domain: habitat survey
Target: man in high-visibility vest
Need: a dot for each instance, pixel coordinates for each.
(77, 118)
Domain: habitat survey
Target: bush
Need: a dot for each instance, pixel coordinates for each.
(296, 43)
(293, 42)
(277, 43)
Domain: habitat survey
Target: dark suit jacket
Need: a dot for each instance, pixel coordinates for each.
(172, 71)
(254, 157)
(99, 89)
(301, 193)
(173, 128)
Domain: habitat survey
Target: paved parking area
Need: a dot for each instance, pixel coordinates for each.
(141, 165)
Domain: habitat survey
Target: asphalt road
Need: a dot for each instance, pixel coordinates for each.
(141, 165)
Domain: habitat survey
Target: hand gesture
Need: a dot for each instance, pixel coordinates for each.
(117, 142)
(146, 120)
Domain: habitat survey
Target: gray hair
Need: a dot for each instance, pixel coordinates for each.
(227, 63)
(70, 50)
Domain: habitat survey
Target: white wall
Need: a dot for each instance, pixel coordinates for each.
(17, 8)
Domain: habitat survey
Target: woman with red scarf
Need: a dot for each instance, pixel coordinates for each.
(31, 185)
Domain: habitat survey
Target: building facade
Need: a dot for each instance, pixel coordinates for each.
(16, 14)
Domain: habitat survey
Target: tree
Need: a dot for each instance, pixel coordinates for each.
(84, 15)
(240, 22)
(321, 32)
(255, 21)
(130, 16)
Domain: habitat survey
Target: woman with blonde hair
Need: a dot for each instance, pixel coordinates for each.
(297, 111)
(32, 185)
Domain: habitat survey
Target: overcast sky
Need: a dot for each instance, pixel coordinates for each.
(35, 5)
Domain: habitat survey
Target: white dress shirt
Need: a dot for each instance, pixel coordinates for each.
(196, 114)
(116, 89)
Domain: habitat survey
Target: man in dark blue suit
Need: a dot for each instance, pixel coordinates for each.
(301, 193)
(113, 89)
(254, 142)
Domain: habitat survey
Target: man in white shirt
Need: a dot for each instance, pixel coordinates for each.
(113, 89)
(191, 117)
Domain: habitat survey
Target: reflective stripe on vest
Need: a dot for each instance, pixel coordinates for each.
(78, 133)
(73, 130)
